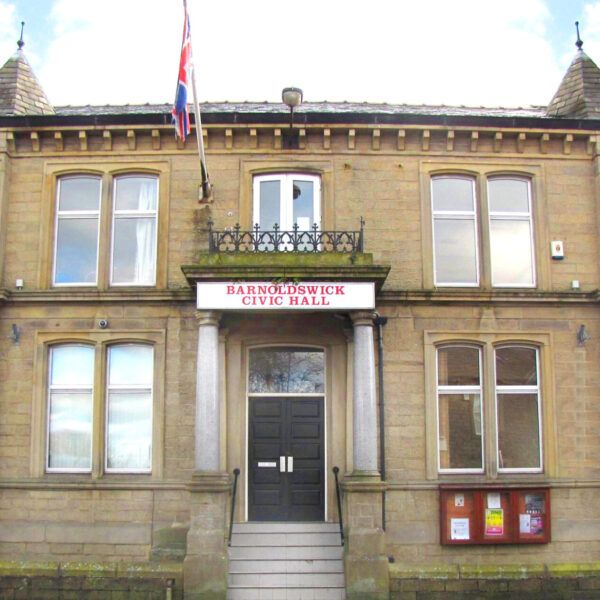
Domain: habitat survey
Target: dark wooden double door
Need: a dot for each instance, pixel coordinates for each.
(286, 459)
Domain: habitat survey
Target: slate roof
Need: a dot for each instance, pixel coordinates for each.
(307, 108)
(20, 91)
(578, 95)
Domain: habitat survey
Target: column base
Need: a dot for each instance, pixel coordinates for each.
(366, 565)
(206, 563)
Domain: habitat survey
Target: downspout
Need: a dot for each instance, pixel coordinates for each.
(380, 321)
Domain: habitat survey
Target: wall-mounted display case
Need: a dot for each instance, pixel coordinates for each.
(494, 515)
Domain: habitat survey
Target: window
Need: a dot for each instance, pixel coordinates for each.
(127, 404)
(511, 232)
(81, 253)
(76, 231)
(506, 233)
(455, 231)
(514, 414)
(287, 200)
(134, 230)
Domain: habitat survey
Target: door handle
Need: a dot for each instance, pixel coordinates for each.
(290, 465)
(282, 464)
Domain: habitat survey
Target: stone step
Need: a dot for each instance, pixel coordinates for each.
(286, 566)
(286, 553)
(285, 539)
(278, 527)
(280, 580)
(285, 593)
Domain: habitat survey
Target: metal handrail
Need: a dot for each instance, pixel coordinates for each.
(236, 473)
(339, 502)
(235, 240)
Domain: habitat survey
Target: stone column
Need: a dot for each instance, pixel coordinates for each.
(365, 562)
(208, 418)
(364, 398)
(206, 562)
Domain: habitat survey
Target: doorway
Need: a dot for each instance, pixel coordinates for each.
(286, 434)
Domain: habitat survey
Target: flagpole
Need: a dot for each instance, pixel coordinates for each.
(206, 187)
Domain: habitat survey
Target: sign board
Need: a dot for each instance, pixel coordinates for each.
(266, 295)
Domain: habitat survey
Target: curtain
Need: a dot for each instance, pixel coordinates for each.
(144, 232)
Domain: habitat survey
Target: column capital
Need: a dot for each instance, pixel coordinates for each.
(208, 317)
(362, 317)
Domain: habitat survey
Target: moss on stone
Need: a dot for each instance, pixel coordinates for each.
(398, 571)
(501, 571)
(574, 570)
(28, 568)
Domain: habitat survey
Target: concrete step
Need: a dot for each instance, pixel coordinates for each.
(286, 539)
(286, 553)
(286, 561)
(277, 580)
(286, 566)
(285, 593)
(278, 527)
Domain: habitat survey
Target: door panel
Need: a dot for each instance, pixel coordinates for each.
(290, 427)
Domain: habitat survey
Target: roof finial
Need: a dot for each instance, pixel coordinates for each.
(578, 43)
(21, 43)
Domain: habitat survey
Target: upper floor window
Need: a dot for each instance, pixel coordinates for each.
(76, 231)
(507, 233)
(287, 200)
(512, 412)
(126, 400)
(81, 252)
(456, 257)
(134, 230)
(511, 232)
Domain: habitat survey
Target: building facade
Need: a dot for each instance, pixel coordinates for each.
(423, 316)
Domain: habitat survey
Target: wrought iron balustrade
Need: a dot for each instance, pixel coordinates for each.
(298, 240)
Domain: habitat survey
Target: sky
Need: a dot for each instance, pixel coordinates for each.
(506, 53)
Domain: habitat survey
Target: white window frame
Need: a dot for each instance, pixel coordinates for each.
(133, 214)
(81, 388)
(128, 388)
(519, 389)
(286, 207)
(460, 389)
(76, 214)
(456, 215)
(512, 216)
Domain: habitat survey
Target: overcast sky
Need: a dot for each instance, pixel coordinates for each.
(473, 52)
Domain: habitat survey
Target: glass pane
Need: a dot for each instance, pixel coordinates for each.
(70, 430)
(455, 257)
(453, 194)
(458, 365)
(136, 193)
(508, 195)
(134, 250)
(518, 431)
(129, 430)
(295, 370)
(72, 365)
(79, 193)
(269, 205)
(512, 262)
(76, 247)
(303, 199)
(130, 365)
(516, 366)
(460, 431)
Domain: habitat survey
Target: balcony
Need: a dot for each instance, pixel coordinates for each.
(257, 255)
(235, 240)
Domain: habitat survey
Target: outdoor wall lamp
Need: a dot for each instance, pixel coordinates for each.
(291, 97)
(582, 336)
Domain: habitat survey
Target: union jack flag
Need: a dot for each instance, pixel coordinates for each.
(180, 112)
